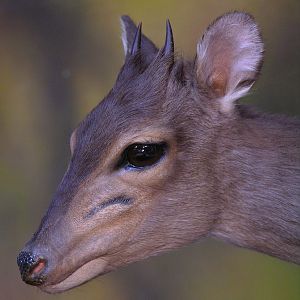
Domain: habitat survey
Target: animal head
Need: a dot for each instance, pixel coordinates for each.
(142, 174)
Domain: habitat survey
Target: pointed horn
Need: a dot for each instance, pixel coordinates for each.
(136, 45)
(169, 43)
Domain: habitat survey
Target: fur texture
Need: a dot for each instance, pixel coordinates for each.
(229, 172)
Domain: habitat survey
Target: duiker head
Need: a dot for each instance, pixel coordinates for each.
(141, 178)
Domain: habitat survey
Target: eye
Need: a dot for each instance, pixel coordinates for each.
(142, 155)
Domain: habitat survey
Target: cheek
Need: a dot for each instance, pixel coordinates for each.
(110, 226)
(108, 231)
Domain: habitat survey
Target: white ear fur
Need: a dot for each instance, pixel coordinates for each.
(128, 31)
(229, 58)
(124, 36)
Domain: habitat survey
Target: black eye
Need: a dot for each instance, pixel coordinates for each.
(143, 155)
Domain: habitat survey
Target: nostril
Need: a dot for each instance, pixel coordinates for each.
(31, 268)
(39, 267)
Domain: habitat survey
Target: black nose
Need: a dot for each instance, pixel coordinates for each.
(32, 268)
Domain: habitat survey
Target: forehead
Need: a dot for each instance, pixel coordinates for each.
(122, 111)
(136, 97)
(116, 114)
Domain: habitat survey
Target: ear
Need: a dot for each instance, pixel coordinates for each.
(229, 58)
(128, 33)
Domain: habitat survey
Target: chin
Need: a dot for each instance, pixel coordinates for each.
(85, 273)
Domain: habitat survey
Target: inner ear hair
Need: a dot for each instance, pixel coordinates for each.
(229, 58)
(73, 141)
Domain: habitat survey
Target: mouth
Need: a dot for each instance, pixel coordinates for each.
(83, 274)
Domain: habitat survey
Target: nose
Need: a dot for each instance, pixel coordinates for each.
(32, 268)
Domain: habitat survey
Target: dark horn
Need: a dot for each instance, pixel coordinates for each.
(169, 43)
(136, 45)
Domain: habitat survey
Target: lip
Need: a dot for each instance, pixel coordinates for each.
(83, 274)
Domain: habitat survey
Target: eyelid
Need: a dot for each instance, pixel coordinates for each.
(148, 140)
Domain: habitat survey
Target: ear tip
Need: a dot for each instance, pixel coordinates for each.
(239, 14)
(245, 20)
(126, 20)
(248, 21)
(242, 17)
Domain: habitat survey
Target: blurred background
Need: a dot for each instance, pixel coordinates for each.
(57, 60)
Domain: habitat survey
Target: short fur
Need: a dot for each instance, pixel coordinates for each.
(230, 172)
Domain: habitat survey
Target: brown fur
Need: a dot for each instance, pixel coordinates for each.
(229, 172)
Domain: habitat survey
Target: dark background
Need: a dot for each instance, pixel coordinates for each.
(57, 60)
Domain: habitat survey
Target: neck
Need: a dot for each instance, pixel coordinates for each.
(259, 186)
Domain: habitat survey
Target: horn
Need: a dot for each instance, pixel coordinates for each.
(136, 45)
(169, 43)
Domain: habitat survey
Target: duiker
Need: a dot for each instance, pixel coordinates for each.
(169, 157)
